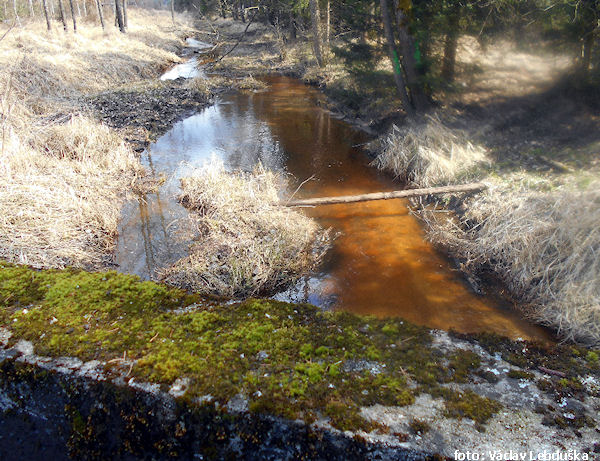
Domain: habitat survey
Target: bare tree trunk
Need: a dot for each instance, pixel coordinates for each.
(292, 29)
(78, 8)
(315, 19)
(453, 189)
(328, 27)
(84, 9)
(62, 14)
(16, 12)
(173, 11)
(586, 53)
(46, 15)
(31, 12)
(398, 77)
(408, 61)
(119, 16)
(100, 15)
(125, 14)
(73, 16)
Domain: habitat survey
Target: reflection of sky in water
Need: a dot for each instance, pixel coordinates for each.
(189, 68)
(380, 263)
(152, 232)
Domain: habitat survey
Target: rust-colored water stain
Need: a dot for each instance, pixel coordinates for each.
(381, 263)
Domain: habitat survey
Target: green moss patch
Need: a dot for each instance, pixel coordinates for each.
(294, 361)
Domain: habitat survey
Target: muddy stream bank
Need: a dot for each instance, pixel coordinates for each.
(380, 264)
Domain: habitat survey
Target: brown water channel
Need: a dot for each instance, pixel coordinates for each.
(381, 263)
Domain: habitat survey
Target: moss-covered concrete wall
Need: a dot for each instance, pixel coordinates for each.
(266, 359)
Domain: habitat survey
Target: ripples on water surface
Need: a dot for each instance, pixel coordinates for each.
(380, 264)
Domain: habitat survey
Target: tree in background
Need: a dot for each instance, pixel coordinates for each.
(119, 16)
(316, 31)
(62, 14)
(46, 15)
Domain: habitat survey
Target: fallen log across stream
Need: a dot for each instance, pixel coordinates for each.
(472, 187)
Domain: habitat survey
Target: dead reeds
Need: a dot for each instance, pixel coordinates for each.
(247, 243)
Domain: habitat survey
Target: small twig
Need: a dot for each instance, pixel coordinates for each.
(9, 29)
(298, 188)
(549, 371)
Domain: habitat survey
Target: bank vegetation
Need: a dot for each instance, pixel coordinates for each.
(536, 231)
(63, 174)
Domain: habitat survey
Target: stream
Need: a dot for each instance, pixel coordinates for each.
(380, 264)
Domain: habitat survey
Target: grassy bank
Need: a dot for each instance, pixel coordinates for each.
(63, 174)
(535, 228)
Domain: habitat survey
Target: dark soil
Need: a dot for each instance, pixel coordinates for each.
(145, 113)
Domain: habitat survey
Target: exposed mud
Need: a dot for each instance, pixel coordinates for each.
(147, 111)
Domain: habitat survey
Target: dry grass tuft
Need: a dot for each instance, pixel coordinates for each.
(60, 205)
(428, 153)
(207, 86)
(248, 244)
(544, 245)
(250, 83)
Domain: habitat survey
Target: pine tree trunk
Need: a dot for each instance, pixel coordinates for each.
(393, 54)
(450, 45)
(292, 28)
(46, 15)
(234, 11)
(586, 53)
(315, 19)
(62, 14)
(73, 16)
(100, 14)
(119, 16)
(409, 64)
(125, 24)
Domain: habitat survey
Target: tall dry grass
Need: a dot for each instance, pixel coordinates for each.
(428, 153)
(544, 245)
(63, 176)
(60, 194)
(248, 244)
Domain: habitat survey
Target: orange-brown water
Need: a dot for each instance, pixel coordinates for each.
(381, 263)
